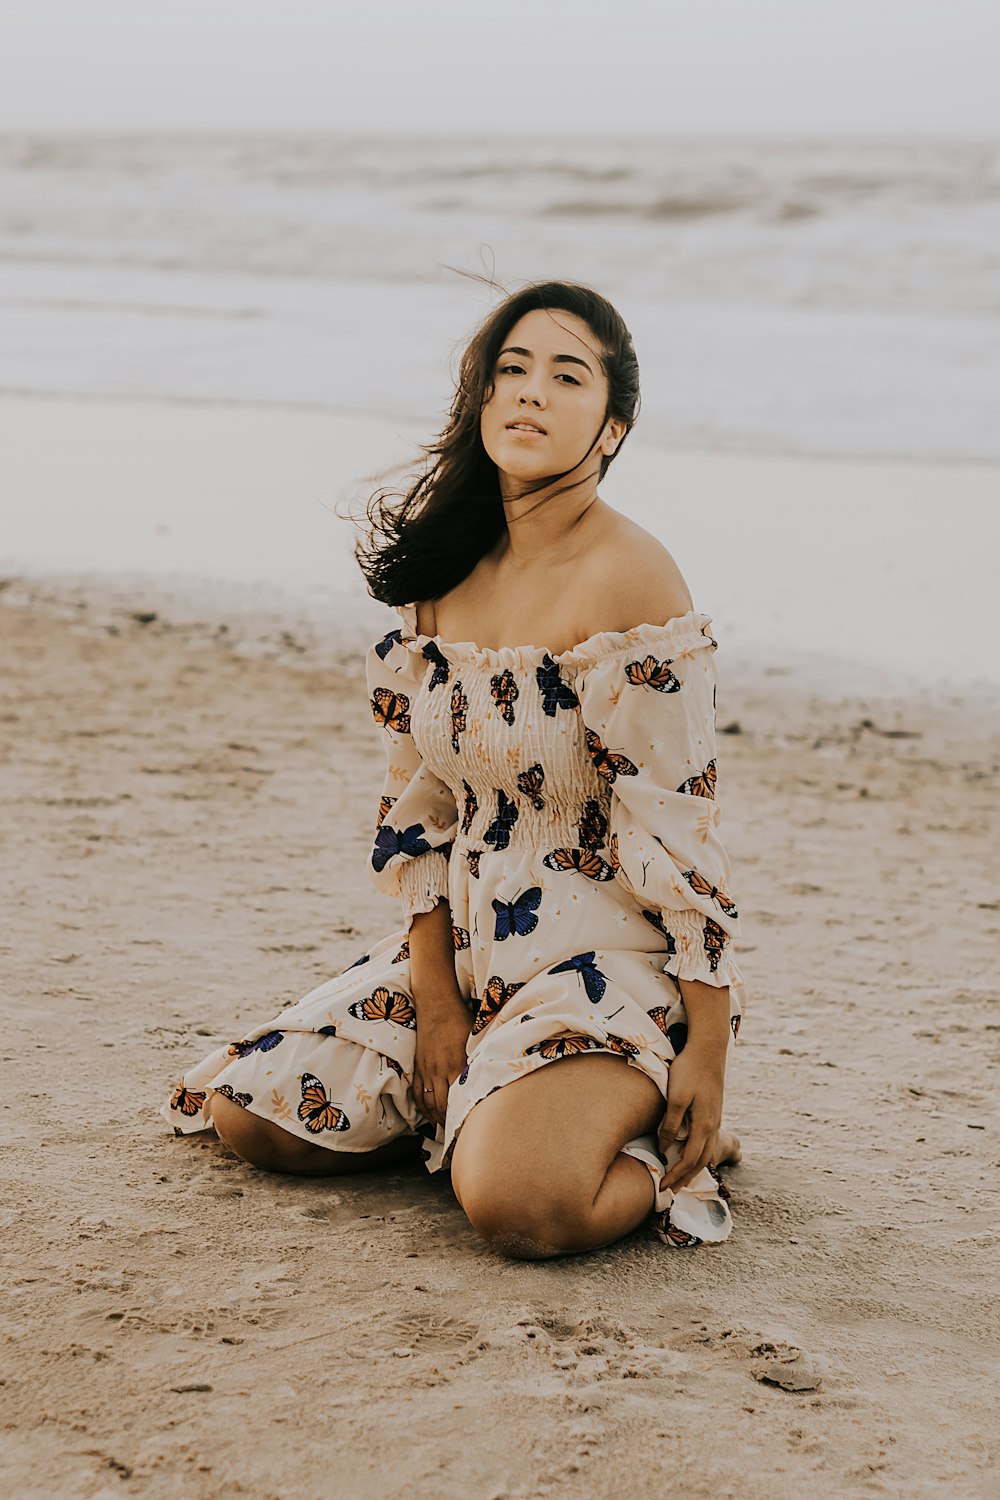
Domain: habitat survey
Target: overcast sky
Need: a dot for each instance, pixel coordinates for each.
(841, 67)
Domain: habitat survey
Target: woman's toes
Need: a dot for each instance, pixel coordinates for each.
(727, 1149)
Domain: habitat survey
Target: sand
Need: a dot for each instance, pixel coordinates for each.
(187, 809)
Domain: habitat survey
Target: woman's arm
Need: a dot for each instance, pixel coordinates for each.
(708, 1009)
(443, 1023)
(697, 1079)
(650, 711)
(432, 956)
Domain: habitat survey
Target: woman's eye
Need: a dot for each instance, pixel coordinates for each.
(519, 370)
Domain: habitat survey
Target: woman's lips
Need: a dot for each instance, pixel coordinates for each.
(526, 432)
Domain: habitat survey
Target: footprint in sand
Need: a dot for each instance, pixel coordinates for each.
(434, 1333)
(769, 1361)
(582, 1351)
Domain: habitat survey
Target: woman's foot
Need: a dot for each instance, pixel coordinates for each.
(726, 1149)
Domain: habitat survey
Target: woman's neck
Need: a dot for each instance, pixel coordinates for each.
(546, 526)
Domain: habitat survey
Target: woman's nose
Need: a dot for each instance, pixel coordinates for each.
(529, 392)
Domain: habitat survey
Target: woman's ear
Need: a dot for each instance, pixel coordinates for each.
(613, 435)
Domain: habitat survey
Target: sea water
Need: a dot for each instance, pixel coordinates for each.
(791, 299)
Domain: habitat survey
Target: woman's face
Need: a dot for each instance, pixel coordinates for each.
(549, 378)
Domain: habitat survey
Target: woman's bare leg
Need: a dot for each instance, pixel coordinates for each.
(537, 1165)
(268, 1146)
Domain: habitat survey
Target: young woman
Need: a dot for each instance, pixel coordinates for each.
(553, 1019)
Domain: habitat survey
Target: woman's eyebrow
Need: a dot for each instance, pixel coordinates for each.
(557, 359)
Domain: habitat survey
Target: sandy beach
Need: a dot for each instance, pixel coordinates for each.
(187, 807)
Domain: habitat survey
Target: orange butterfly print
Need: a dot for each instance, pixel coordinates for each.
(674, 1031)
(584, 861)
(723, 1189)
(385, 1005)
(593, 825)
(705, 887)
(655, 919)
(570, 1044)
(228, 1092)
(702, 785)
(391, 1062)
(459, 704)
(606, 762)
(391, 710)
(715, 939)
(505, 693)
(471, 807)
(403, 953)
(496, 997)
(652, 673)
(530, 783)
(316, 1111)
(734, 1022)
(658, 1016)
(459, 937)
(620, 1045)
(385, 803)
(615, 862)
(672, 1236)
(187, 1101)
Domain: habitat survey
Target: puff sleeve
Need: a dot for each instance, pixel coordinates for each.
(417, 816)
(649, 714)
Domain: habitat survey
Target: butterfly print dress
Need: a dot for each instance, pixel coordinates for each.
(565, 807)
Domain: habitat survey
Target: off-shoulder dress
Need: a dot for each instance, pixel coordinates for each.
(565, 806)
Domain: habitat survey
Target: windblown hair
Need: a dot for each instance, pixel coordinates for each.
(424, 543)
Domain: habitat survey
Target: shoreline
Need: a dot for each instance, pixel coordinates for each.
(257, 621)
(411, 420)
(844, 571)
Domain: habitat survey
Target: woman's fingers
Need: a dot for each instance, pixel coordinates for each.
(671, 1122)
(687, 1171)
(697, 1154)
(431, 1097)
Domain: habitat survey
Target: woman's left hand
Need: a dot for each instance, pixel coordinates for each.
(696, 1082)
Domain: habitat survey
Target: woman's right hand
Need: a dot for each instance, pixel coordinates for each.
(443, 1029)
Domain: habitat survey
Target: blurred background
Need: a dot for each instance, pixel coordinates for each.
(243, 244)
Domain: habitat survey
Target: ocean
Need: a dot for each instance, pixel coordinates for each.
(784, 297)
(787, 298)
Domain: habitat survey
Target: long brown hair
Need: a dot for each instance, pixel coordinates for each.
(422, 544)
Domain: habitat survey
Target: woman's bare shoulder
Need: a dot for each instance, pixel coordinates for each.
(638, 577)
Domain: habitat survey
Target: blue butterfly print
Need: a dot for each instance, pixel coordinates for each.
(265, 1043)
(389, 842)
(442, 666)
(655, 919)
(499, 831)
(594, 982)
(362, 960)
(518, 915)
(555, 693)
(385, 645)
(677, 1036)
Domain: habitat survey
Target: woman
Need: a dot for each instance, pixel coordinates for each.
(552, 1021)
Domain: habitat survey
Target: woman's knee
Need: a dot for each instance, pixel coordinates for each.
(528, 1216)
(259, 1142)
